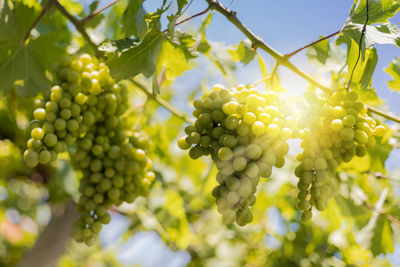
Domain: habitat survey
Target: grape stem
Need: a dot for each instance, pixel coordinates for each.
(257, 42)
(96, 12)
(162, 102)
(44, 10)
(79, 27)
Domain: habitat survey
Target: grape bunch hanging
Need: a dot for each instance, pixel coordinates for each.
(245, 133)
(333, 130)
(84, 107)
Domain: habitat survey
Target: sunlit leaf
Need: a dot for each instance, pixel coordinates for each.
(394, 71)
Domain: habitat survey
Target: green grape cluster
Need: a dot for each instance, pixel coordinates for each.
(84, 107)
(333, 130)
(245, 133)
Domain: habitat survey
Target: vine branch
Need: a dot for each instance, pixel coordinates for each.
(191, 17)
(257, 42)
(287, 56)
(162, 102)
(79, 27)
(44, 10)
(96, 12)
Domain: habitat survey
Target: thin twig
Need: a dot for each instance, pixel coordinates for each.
(287, 56)
(162, 102)
(257, 42)
(44, 10)
(266, 78)
(387, 216)
(79, 27)
(364, 29)
(274, 71)
(191, 17)
(96, 12)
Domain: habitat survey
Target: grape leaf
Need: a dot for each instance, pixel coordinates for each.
(243, 52)
(365, 66)
(133, 18)
(379, 154)
(387, 33)
(349, 209)
(319, 51)
(394, 71)
(19, 67)
(140, 58)
(172, 60)
(381, 241)
(181, 4)
(23, 69)
(379, 11)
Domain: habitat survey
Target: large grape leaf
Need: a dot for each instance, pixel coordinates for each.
(133, 18)
(394, 71)
(24, 71)
(365, 66)
(243, 53)
(172, 61)
(140, 58)
(381, 241)
(386, 33)
(19, 67)
(379, 11)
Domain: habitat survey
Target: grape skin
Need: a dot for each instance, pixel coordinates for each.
(242, 130)
(84, 107)
(343, 131)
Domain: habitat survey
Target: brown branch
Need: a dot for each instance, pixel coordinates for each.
(287, 56)
(387, 216)
(162, 102)
(44, 10)
(96, 12)
(52, 240)
(79, 27)
(257, 42)
(191, 17)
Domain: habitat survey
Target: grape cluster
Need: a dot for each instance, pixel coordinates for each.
(85, 107)
(245, 133)
(333, 130)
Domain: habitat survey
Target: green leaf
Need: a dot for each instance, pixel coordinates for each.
(172, 60)
(181, 5)
(204, 46)
(379, 154)
(319, 51)
(243, 52)
(387, 33)
(19, 66)
(349, 209)
(140, 58)
(379, 11)
(23, 70)
(327, 57)
(394, 71)
(365, 66)
(133, 18)
(381, 241)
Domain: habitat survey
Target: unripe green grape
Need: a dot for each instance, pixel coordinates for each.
(225, 153)
(379, 130)
(306, 215)
(39, 114)
(31, 158)
(347, 133)
(37, 133)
